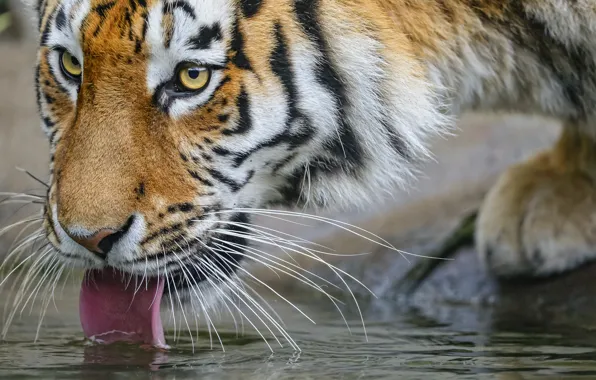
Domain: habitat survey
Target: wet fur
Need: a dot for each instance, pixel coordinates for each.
(320, 102)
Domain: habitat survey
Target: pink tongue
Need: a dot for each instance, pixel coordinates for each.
(114, 309)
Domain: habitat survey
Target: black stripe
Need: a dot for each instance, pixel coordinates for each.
(225, 261)
(40, 9)
(349, 154)
(282, 67)
(572, 65)
(291, 190)
(220, 177)
(250, 7)
(132, 5)
(286, 137)
(38, 88)
(280, 165)
(345, 151)
(396, 141)
(102, 10)
(61, 19)
(45, 33)
(220, 151)
(199, 178)
(162, 232)
(182, 5)
(139, 41)
(48, 97)
(128, 25)
(237, 48)
(244, 119)
(53, 137)
(49, 124)
(206, 36)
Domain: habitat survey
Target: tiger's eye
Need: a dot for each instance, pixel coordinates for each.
(71, 66)
(194, 78)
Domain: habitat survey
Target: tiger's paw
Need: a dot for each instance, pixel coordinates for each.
(539, 219)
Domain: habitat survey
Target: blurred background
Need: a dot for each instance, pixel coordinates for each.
(22, 144)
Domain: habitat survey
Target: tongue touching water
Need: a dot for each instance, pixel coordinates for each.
(115, 307)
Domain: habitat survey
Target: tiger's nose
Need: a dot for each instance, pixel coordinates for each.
(102, 241)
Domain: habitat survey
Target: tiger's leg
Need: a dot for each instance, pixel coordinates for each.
(540, 217)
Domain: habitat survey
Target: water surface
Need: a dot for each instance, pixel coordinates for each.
(403, 343)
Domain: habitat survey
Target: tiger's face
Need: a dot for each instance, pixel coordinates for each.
(169, 119)
(160, 127)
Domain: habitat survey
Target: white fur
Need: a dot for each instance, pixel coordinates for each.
(163, 60)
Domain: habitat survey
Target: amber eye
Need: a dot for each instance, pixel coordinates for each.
(193, 78)
(71, 67)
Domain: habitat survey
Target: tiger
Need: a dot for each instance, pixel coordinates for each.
(173, 123)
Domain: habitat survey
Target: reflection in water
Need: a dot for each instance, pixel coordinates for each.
(444, 341)
(98, 357)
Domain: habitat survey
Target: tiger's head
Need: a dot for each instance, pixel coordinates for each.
(169, 120)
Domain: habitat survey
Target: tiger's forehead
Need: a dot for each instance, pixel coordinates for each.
(144, 24)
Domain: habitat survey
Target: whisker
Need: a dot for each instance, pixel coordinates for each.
(218, 293)
(300, 277)
(16, 224)
(25, 285)
(223, 294)
(268, 287)
(336, 223)
(273, 232)
(205, 311)
(306, 252)
(47, 270)
(226, 281)
(331, 267)
(167, 278)
(37, 232)
(33, 177)
(45, 307)
(271, 259)
(16, 268)
(14, 254)
(17, 281)
(276, 324)
(182, 265)
(241, 295)
(24, 195)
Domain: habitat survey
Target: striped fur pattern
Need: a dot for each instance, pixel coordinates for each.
(326, 103)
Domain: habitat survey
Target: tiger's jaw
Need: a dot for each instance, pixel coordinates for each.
(122, 291)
